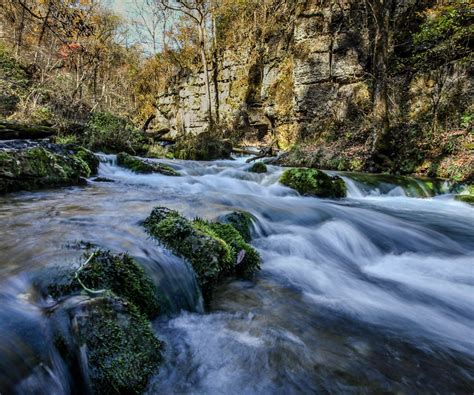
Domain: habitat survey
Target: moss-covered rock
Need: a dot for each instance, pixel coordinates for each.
(241, 221)
(41, 167)
(312, 182)
(107, 342)
(466, 195)
(214, 250)
(465, 199)
(120, 274)
(143, 166)
(204, 146)
(87, 156)
(258, 167)
(247, 259)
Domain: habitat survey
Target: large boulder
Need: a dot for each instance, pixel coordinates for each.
(42, 166)
(106, 342)
(143, 166)
(104, 271)
(214, 250)
(312, 182)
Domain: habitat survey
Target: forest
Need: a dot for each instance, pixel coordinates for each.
(236, 196)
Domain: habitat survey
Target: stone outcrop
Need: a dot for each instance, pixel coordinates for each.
(313, 77)
(42, 165)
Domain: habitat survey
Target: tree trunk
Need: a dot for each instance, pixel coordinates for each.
(202, 44)
(381, 15)
(215, 70)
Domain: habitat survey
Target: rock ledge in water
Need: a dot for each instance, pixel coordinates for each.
(45, 165)
(214, 250)
(120, 274)
(143, 166)
(312, 182)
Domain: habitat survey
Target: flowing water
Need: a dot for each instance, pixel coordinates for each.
(369, 294)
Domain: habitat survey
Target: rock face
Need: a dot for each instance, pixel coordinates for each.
(143, 166)
(315, 68)
(214, 250)
(310, 78)
(45, 165)
(312, 182)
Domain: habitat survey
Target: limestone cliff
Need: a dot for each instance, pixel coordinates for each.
(314, 77)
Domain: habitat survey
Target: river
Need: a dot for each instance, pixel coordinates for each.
(369, 294)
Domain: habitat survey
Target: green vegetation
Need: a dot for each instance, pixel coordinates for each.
(466, 195)
(117, 273)
(241, 221)
(444, 35)
(312, 182)
(258, 167)
(111, 341)
(205, 146)
(214, 250)
(38, 167)
(110, 133)
(138, 165)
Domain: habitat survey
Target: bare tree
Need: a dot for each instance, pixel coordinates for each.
(198, 11)
(151, 24)
(381, 12)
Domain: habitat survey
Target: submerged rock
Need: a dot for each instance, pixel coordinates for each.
(107, 342)
(103, 179)
(214, 250)
(312, 182)
(104, 271)
(241, 221)
(43, 166)
(258, 167)
(143, 166)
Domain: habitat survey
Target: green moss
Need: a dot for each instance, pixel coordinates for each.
(204, 146)
(312, 182)
(212, 249)
(111, 341)
(142, 166)
(118, 273)
(258, 167)
(465, 198)
(110, 133)
(87, 156)
(241, 221)
(39, 167)
(247, 259)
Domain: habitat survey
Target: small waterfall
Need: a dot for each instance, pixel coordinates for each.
(361, 185)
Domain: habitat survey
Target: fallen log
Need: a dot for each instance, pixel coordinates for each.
(264, 153)
(244, 151)
(12, 130)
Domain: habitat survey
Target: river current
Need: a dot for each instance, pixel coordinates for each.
(369, 294)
